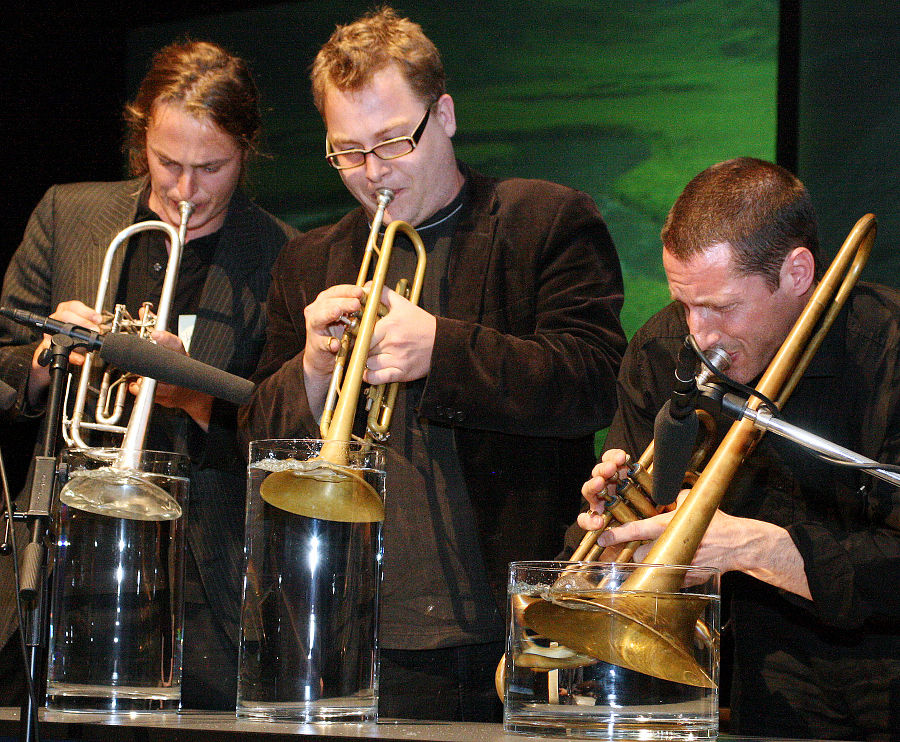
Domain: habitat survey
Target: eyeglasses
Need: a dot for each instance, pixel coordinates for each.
(389, 149)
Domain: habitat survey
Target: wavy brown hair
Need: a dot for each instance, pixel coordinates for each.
(358, 50)
(208, 82)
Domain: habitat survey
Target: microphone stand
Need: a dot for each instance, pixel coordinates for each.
(735, 407)
(33, 580)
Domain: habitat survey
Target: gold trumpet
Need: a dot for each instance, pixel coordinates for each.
(629, 628)
(120, 489)
(325, 487)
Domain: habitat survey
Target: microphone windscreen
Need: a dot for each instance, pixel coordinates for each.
(131, 353)
(673, 444)
(7, 396)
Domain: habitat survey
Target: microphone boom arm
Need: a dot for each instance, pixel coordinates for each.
(763, 418)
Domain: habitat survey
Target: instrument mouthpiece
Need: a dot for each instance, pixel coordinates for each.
(385, 196)
(718, 357)
(185, 208)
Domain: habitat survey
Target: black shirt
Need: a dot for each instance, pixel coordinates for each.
(435, 535)
(144, 271)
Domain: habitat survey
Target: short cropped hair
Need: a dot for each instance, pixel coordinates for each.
(759, 209)
(355, 52)
(208, 82)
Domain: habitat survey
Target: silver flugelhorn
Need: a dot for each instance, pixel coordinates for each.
(120, 488)
(108, 412)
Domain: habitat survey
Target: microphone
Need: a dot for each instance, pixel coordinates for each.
(84, 337)
(676, 425)
(140, 356)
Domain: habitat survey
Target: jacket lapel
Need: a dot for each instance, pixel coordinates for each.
(472, 259)
(117, 214)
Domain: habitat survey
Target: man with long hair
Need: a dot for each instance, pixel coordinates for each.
(192, 129)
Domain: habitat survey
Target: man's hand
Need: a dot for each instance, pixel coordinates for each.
(196, 404)
(76, 313)
(760, 549)
(325, 323)
(402, 342)
(604, 478)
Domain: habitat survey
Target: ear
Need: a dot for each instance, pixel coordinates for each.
(445, 114)
(798, 271)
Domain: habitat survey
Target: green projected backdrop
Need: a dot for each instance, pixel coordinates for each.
(624, 99)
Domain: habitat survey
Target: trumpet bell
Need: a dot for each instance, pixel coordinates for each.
(119, 493)
(650, 633)
(321, 489)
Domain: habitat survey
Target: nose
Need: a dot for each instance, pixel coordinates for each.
(375, 167)
(187, 184)
(704, 331)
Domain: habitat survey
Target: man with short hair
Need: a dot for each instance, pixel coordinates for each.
(508, 361)
(807, 544)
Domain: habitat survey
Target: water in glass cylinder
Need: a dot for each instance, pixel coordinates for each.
(117, 609)
(308, 649)
(575, 667)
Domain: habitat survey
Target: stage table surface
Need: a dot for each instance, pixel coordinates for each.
(187, 726)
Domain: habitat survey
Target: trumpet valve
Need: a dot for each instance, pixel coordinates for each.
(641, 478)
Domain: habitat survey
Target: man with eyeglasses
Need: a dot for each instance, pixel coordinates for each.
(509, 360)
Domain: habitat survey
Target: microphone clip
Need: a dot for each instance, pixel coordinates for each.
(684, 393)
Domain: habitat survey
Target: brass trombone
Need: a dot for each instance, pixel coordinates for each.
(120, 489)
(631, 501)
(619, 631)
(325, 487)
(633, 497)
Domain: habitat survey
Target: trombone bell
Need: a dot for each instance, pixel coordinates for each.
(650, 633)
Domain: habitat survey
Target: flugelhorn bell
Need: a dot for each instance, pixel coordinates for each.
(325, 487)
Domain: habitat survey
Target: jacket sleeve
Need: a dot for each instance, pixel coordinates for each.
(27, 285)
(279, 407)
(542, 358)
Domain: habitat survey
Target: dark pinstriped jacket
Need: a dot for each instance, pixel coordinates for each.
(60, 259)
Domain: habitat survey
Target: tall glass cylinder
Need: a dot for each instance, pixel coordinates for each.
(309, 619)
(117, 599)
(588, 657)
